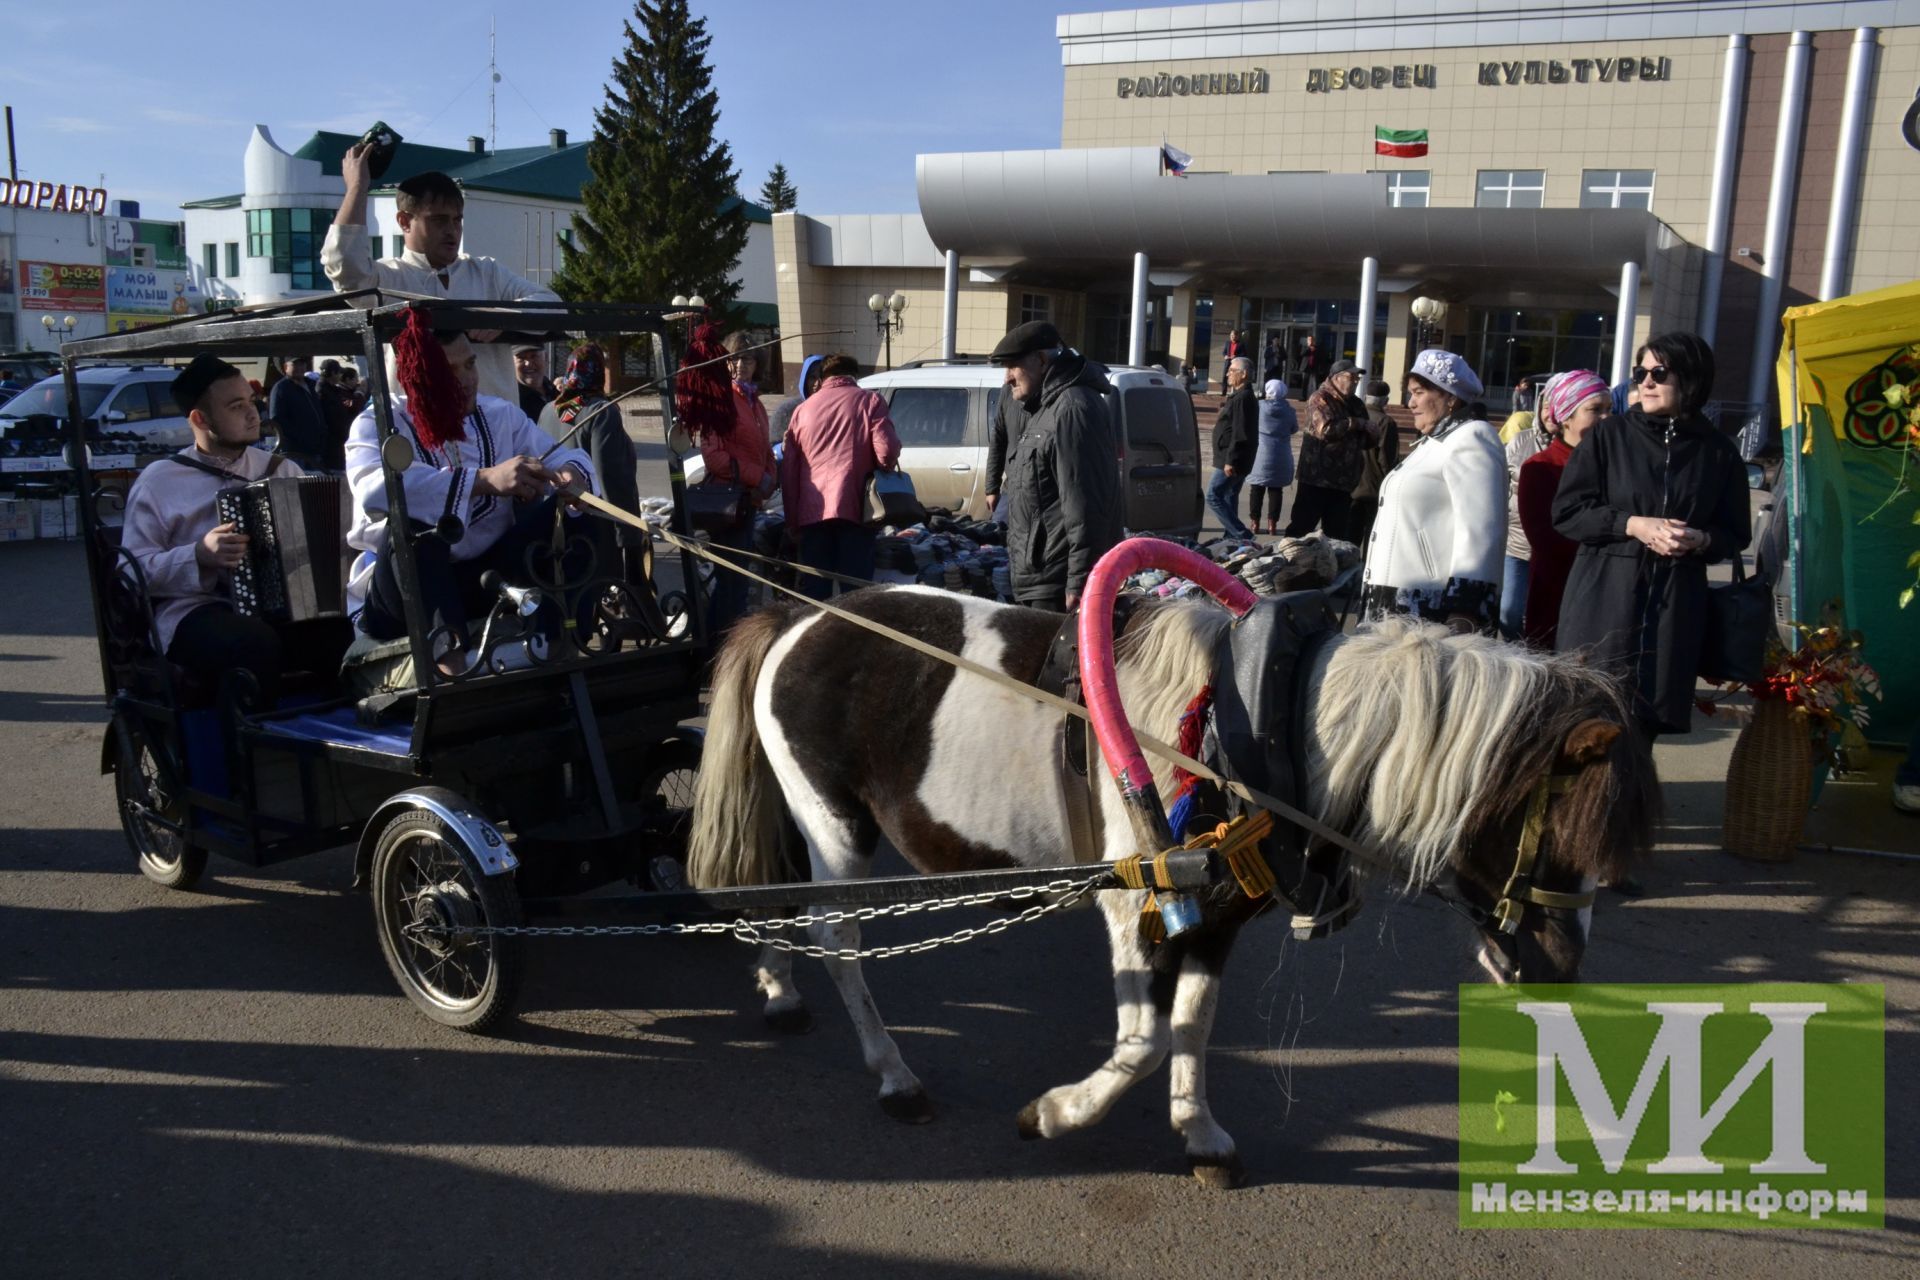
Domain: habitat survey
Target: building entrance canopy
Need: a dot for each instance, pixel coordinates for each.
(1072, 209)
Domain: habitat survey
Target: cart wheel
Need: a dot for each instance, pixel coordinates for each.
(427, 882)
(150, 797)
(668, 783)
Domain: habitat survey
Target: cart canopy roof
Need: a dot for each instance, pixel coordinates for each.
(342, 323)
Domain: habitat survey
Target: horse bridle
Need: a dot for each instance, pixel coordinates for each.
(1520, 889)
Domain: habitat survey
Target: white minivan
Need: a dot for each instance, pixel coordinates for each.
(943, 411)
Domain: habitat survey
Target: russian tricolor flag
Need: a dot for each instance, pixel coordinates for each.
(1173, 160)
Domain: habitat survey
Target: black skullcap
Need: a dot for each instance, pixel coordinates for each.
(1035, 335)
(196, 378)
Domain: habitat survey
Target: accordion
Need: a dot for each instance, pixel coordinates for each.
(297, 557)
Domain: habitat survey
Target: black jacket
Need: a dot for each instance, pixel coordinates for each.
(1637, 614)
(1061, 491)
(294, 409)
(1009, 420)
(1236, 432)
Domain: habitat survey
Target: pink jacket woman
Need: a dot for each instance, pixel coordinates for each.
(839, 436)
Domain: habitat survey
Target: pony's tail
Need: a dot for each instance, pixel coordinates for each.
(737, 807)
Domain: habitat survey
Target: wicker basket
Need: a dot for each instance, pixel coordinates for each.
(1769, 784)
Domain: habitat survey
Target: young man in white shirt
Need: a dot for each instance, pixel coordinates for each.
(488, 491)
(187, 555)
(431, 211)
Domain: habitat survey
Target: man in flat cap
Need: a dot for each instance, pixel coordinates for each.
(186, 555)
(1333, 445)
(1061, 492)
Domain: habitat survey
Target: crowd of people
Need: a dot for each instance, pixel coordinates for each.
(1584, 529)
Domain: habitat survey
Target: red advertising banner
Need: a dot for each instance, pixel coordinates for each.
(62, 286)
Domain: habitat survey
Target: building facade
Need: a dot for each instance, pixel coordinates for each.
(1565, 177)
(98, 264)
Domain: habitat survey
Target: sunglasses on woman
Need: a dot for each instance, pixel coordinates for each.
(1658, 375)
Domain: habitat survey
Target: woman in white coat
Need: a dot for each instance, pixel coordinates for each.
(1441, 532)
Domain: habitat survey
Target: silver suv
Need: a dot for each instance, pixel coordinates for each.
(943, 412)
(120, 399)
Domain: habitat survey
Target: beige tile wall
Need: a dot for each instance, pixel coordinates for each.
(1666, 126)
(1886, 248)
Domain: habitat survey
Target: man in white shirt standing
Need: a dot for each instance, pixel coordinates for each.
(431, 210)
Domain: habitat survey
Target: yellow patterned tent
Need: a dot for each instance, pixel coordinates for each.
(1852, 471)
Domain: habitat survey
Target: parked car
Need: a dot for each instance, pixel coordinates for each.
(119, 398)
(28, 367)
(942, 411)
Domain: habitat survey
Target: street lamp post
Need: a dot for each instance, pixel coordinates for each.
(62, 327)
(886, 310)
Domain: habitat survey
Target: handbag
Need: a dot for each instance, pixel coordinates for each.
(714, 506)
(891, 499)
(1739, 619)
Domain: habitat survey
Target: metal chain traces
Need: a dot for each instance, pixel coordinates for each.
(764, 932)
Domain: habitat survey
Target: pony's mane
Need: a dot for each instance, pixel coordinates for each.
(1164, 658)
(1420, 738)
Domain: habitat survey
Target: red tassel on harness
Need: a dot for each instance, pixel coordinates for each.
(434, 399)
(703, 398)
(1193, 728)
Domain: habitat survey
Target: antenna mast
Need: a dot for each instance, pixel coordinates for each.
(493, 87)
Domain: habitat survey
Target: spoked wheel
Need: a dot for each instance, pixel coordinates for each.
(427, 888)
(667, 785)
(153, 811)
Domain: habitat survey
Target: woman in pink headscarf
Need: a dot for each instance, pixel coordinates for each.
(1569, 405)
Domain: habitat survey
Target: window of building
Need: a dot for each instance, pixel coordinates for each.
(210, 259)
(1036, 306)
(290, 239)
(1511, 189)
(399, 245)
(1616, 189)
(1408, 188)
(930, 417)
(233, 259)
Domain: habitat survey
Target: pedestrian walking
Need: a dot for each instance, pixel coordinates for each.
(1061, 491)
(530, 374)
(1571, 404)
(1652, 497)
(839, 436)
(1337, 432)
(1273, 464)
(1236, 443)
(1530, 439)
(734, 447)
(1437, 541)
(1380, 457)
(293, 406)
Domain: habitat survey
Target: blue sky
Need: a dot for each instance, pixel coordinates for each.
(844, 92)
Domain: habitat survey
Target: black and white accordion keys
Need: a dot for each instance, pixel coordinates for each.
(297, 556)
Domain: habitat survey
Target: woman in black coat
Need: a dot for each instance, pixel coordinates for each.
(1652, 498)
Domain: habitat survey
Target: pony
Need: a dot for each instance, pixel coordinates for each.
(1424, 744)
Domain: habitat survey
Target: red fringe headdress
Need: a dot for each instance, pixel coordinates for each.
(703, 398)
(434, 399)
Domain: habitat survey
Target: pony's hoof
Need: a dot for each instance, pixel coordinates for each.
(792, 1021)
(1028, 1122)
(908, 1108)
(1218, 1173)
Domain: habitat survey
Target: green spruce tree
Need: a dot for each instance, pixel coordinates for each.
(661, 215)
(777, 193)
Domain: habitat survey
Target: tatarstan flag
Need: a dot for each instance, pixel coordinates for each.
(1404, 143)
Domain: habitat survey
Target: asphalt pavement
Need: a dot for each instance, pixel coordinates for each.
(227, 1082)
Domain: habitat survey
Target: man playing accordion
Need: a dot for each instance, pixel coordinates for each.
(187, 555)
(482, 490)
